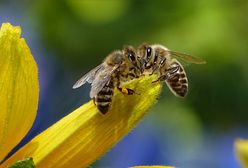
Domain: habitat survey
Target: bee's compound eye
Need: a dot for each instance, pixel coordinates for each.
(148, 52)
(131, 56)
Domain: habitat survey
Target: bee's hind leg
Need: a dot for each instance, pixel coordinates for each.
(127, 91)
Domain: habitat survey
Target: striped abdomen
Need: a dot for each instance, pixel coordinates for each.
(104, 98)
(178, 82)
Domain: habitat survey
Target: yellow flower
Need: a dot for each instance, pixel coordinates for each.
(19, 89)
(241, 148)
(76, 140)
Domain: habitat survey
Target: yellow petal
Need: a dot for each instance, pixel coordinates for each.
(152, 167)
(18, 88)
(241, 148)
(84, 135)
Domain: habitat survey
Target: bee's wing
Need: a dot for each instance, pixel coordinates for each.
(102, 79)
(89, 77)
(187, 58)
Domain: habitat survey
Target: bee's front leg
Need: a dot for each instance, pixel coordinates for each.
(154, 69)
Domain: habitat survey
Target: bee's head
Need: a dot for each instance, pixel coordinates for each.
(151, 55)
(145, 55)
(131, 56)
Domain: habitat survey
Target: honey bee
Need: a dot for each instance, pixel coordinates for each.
(119, 66)
(164, 62)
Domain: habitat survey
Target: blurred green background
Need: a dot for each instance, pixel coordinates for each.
(69, 37)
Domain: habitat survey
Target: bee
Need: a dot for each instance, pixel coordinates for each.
(164, 62)
(118, 67)
(130, 69)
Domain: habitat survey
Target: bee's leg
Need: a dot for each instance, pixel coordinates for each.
(162, 78)
(127, 91)
(133, 76)
(137, 73)
(161, 63)
(171, 72)
(154, 69)
(133, 73)
(94, 100)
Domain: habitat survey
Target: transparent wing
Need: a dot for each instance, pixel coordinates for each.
(102, 78)
(89, 77)
(187, 58)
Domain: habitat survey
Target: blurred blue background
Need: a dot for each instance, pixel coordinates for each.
(69, 37)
